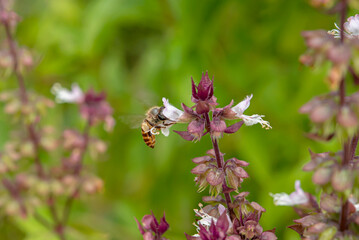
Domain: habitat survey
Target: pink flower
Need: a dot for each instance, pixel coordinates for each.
(295, 198)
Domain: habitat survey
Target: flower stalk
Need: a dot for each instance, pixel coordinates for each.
(4, 15)
(225, 217)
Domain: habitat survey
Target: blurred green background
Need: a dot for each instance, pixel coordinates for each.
(139, 51)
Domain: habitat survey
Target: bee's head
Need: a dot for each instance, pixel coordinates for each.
(155, 111)
(160, 114)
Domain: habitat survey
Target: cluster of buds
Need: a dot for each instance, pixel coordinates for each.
(334, 114)
(239, 219)
(28, 181)
(29, 112)
(151, 229)
(325, 46)
(321, 218)
(332, 117)
(208, 173)
(215, 223)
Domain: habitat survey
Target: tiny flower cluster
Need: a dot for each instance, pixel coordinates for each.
(215, 223)
(323, 46)
(204, 102)
(208, 173)
(222, 218)
(330, 117)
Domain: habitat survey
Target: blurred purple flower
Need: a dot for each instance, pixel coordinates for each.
(151, 229)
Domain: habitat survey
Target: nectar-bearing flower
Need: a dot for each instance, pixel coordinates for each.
(249, 120)
(351, 28)
(207, 220)
(295, 198)
(171, 112)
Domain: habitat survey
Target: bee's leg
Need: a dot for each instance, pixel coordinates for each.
(154, 131)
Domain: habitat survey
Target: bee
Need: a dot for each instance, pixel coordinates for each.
(152, 124)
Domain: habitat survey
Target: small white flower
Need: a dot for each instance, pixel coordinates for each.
(63, 95)
(165, 131)
(354, 202)
(295, 198)
(352, 25)
(206, 219)
(171, 112)
(249, 120)
(351, 28)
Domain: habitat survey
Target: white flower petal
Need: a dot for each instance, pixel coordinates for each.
(295, 198)
(254, 119)
(165, 131)
(351, 28)
(64, 95)
(242, 106)
(171, 112)
(352, 25)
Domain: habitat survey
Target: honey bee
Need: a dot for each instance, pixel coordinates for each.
(152, 124)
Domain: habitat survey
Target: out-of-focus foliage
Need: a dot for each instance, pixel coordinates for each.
(141, 50)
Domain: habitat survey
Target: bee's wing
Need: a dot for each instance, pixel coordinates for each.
(132, 120)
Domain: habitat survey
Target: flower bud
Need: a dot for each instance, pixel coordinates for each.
(342, 180)
(322, 176)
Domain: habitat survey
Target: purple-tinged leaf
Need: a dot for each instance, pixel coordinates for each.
(163, 227)
(142, 231)
(239, 172)
(202, 168)
(185, 135)
(317, 228)
(234, 127)
(267, 235)
(317, 137)
(215, 178)
(222, 222)
(310, 220)
(202, 159)
(298, 228)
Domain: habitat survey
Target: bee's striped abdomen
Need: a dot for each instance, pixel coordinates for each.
(149, 138)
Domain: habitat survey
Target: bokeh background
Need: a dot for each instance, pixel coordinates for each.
(139, 51)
